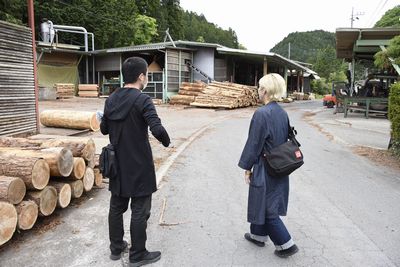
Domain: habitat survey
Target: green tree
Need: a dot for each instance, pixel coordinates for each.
(382, 58)
(173, 14)
(13, 11)
(145, 29)
(390, 18)
(326, 63)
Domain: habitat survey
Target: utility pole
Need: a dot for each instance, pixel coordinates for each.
(355, 16)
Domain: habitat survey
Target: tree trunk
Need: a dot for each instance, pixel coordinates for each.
(12, 189)
(27, 214)
(60, 160)
(35, 172)
(8, 223)
(80, 120)
(64, 193)
(79, 169)
(98, 178)
(88, 179)
(45, 199)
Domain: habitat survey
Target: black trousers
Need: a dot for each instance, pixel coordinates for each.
(140, 207)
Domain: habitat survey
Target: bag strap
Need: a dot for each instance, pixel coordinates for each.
(292, 134)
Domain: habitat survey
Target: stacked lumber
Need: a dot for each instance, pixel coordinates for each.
(187, 93)
(39, 175)
(80, 120)
(64, 90)
(88, 90)
(226, 95)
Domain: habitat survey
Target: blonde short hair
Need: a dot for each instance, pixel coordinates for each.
(272, 86)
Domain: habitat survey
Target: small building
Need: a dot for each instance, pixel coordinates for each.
(171, 63)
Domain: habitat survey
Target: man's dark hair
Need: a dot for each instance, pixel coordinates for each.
(132, 68)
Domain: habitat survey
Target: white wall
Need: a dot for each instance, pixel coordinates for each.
(204, 60)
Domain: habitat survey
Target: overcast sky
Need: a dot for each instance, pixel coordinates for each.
(260, 24)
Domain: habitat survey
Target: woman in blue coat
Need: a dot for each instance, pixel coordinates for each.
(268, 196)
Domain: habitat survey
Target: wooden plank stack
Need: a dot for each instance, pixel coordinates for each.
(187, 93)
(88, 90)
(226, 95)
(39, 175)
(64, 90)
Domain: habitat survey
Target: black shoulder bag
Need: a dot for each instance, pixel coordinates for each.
(108, 163)
(285, 158)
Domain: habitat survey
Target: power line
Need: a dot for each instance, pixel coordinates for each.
(374, 13)
(384, 4)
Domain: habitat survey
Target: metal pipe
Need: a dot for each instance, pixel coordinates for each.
(31, 19)
(65, 27)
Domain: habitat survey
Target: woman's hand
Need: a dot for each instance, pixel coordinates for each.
(247, 176)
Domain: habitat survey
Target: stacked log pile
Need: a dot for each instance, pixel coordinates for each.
(64, 90)
(226, 95)
(39, 175)
(187, 93)
(88, 90)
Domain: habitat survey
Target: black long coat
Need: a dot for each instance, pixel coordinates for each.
(128, 113)
(268, 196)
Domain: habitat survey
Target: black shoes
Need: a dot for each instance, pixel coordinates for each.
(287, 252)
(116, 257)
(255, 242)
(150, 257)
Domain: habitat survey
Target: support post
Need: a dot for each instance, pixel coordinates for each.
(121, 79)
(265, 67)
(31, 18)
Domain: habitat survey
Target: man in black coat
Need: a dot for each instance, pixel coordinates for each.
(128, 113)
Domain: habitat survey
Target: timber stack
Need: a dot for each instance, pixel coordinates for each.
(187, 93)
(88, 90)
(226, 95)
(39, 175)
(80, 120)
(64, 90)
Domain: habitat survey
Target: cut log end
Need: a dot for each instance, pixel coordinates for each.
(65, 162)
(8, 222)
(40, 174)
(76, 188)
(94, 123)
(88, 179)
(27, 214)
(64, 196)
(98, 177)
(12, 189)
(78, 169)
(46, 200)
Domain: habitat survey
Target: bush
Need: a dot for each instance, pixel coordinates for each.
(320, 87)
(394, 116)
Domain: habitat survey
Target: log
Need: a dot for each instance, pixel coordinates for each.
(80, 147)
(34, 171)
(8, 222)
(76, 188)
(88, 179)
(28, 213)
(98, 177)
(80, 120)
(79, 169)
(12, 189)
(64, 193)
(59, 159)
(46, 200)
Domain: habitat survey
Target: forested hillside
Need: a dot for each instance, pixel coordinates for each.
(304, 45)
(123, 22)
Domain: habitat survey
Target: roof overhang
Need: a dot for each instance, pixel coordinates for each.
(362, 43)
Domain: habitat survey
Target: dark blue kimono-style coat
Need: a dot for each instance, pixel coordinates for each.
(268, 196)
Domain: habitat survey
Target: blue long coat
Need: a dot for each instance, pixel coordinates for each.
(268, 196)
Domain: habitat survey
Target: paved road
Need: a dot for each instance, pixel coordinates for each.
(343, 210)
